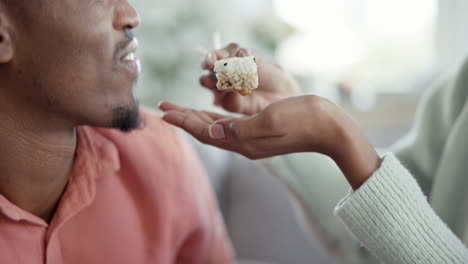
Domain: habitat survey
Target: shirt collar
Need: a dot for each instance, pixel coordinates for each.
(102, 153)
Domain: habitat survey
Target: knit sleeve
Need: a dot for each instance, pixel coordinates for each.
(391, 217)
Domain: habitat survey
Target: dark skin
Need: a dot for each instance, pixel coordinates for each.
(62, 64)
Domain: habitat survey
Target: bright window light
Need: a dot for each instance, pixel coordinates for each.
(335, 35)
(401, 17)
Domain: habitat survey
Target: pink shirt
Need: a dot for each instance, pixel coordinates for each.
(141, 197)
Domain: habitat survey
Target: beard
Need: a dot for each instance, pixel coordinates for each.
(126, 118)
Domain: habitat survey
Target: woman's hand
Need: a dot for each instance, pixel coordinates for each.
(298, 124)
(274, 83)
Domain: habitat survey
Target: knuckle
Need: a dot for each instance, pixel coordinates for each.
(233, 46)
(235, 131)
(202, 80)
(318, 104)
(183, 122)
(191, 114)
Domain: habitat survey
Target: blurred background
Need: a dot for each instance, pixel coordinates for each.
(374, 57)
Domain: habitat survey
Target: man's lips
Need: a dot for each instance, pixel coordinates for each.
(128, 53)
(128, 59)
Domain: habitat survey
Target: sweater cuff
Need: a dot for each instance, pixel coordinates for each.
(390, 216)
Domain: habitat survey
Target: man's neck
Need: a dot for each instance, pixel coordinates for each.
(35, 163)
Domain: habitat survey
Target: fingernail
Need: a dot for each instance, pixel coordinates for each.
(217, 131)
(160, 103)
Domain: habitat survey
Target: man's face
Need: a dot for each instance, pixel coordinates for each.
(75, 60)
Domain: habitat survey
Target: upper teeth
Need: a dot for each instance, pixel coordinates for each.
(130, 56)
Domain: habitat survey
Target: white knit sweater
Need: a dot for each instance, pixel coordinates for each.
(391, 217)
(415, 211)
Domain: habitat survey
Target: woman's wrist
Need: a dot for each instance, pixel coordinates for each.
(352, 152)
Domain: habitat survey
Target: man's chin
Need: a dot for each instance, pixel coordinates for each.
(126, 118)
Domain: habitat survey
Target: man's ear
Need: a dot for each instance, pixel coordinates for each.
(6, 45)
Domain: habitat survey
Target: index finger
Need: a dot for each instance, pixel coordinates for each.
(189, 121)
(230, 50)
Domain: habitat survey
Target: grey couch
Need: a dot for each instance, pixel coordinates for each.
(262, 218)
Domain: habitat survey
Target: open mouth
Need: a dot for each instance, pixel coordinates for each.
(128, 59)
(128, 52)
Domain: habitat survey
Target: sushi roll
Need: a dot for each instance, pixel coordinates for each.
(238, 74)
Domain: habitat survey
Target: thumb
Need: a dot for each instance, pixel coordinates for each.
(235, 129)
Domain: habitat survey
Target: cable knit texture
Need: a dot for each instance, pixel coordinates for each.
(391, 217)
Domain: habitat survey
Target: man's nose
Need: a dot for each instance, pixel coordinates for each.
(125, 16)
